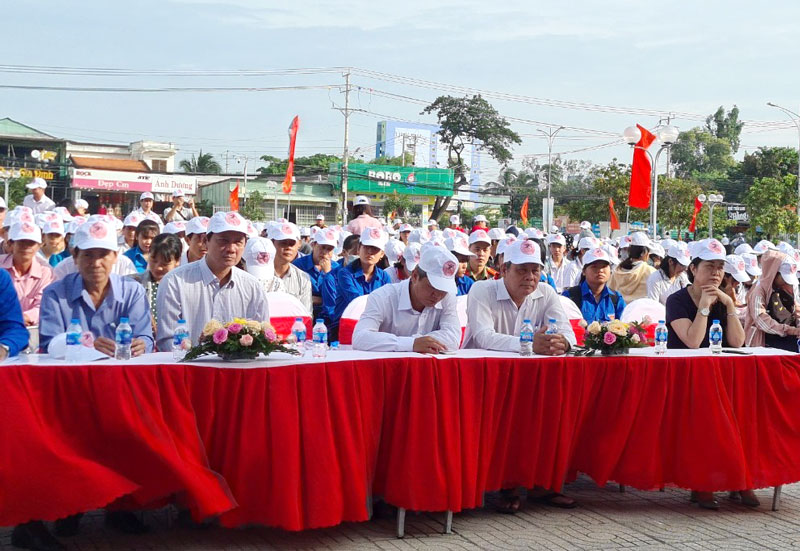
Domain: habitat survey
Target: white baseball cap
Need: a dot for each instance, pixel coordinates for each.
(343, 234)
(480, 218)
(419, 235)
(96, 234)
(611, 252)
(53, 226)
(320, 217)
(198, 224)
(283, 231)
(709, 249)
(406, 227)
(523, 251)
(27, 231)
(177, 226)
(505, 243)
(259, 257)
(534, 233)
(786, 248)
(373, 237)
(479, 236)
(441, 266)
(455, 219)
(432, 222)
(736, 266)
(588, 243)
(788, 271)
(458, 244)
(596, 255)
(146, 195)
(640, 239)
(657, 250)
(178, 193)
(751, 264)
(667, 243)
(411, 255)
(36, 183)
(327, 236)
(227, 221)
(81, 204)
(680, 253)
(624, 241)
(361, 200)
(764, 246)
(133, 220)
(586, 225)
(556, 239)
(394, 250)
(496, 234)
(743, 248)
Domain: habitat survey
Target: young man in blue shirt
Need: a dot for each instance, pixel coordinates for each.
(321, 269)
(592, 295)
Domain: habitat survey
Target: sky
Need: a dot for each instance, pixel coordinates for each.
(594, 67)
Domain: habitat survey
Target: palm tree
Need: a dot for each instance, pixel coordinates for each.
(203, 164)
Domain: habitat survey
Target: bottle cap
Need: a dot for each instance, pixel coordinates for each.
(320, 320)
(552, 320)
(716, 321)
(298, 319)
(526, 321)
(123, 320)
(75, 320)
(661, 321)
(181, 321)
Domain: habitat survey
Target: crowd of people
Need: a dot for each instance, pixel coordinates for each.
(64, 263)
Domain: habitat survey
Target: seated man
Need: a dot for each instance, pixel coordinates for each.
(416, 314)
(212, 288)
(286, 238)
(480, 246)
(29, 274)
(319, 263)
(95, 295)
(593, 297)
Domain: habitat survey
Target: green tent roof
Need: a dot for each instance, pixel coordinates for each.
(10, 127)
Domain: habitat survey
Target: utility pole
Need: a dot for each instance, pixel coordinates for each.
(345, 153)
(668, 122)
(550, 135)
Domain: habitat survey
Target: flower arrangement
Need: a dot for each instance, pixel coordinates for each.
(237, 339)
(612, 337)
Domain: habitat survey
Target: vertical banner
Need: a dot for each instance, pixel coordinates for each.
(287, 182)
(233, 200)
(523, 212)
(641, 171)
(612, 215)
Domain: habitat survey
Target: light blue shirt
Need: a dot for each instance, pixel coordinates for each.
(66, 299)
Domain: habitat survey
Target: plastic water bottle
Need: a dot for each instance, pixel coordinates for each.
(715, 337)
(552, 327)
(320, 333)
(73, 340)
(123, 340)
(299, 333)
(181, 334)
(526, 339)
(661, 337)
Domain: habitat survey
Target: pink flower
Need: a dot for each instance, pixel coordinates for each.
(609, 338)
(235, 328)
(246, 340)
(220, 336)
(270, 334)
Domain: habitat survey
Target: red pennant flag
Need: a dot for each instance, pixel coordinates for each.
(639, 196)
(697, 206)
(234, 198)
(287, 182)
(523, 212)
(612, 215)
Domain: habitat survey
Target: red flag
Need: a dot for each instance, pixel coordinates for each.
(234, 198)
(287, 182)
(523, 212)
(697, 206)
(639, 196)
(612, 215)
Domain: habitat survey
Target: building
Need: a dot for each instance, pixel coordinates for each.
(36, 155)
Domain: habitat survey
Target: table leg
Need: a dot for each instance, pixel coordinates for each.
(401, 522)
(776, 498)
(448, 522)
(622, 488)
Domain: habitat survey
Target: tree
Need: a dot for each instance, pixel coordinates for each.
(469, 120)
(394, 161)
(676, 203)
(769, 162)
(401, 204)
(726, 126)
(253, 208)
(771, 203)
(607, 181)
(17, 191)
(303, 166)
(203, 164)
(700, 155)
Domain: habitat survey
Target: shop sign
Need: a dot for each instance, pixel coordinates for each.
(29, 173)
(738, 213)
(406, 180)
(110, 180)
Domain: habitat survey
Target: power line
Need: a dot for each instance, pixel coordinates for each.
(109, 89)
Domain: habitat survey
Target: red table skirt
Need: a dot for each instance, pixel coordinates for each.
(304, 446)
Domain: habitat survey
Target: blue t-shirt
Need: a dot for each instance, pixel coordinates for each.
(351, 283)
(137, 257)
(601, 310)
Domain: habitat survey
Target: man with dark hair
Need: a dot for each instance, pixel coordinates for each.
(146, 231)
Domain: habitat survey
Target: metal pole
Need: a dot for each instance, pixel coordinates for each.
(345, 154)
(551, 135)
(654, 211)
(244, 183)
(711, 219)
(403, 151)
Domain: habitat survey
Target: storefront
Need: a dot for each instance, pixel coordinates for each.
(119, 191)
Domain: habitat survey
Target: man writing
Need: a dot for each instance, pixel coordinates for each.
(178, 212)
(212, 288)
(416, 314)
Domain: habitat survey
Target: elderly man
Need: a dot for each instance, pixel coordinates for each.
(179, 212)
(212, 288)
(29, 274)
(480, 246)
(416, 314)
(37, 201)
(319, 263)
(96, 296)
(286, 238)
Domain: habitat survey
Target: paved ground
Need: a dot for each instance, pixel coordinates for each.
(606, 519)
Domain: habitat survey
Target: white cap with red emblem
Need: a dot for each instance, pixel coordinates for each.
(227, 221)
(326, 236)
(96, 234)
(133, 220)
(458, 244)
(680, 252)
(411, 255)
(736, 266)
(479, 236)
(751, 264)
(25, 231)
(373, 237)
(709, 249)
(441, 266)
(788, 271)
(595, 255)
(523, 251)
(283, 231)
(53, 226)
(394, 250)
(259, 255)
(198, 224)
(175, 227)
(146, 195)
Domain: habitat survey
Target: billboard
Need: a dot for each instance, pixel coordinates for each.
(407, 180)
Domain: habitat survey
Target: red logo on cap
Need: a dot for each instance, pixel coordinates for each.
(51, 216)
(25, 217)
(27, 228)
(98, 230)
(740, 266)
(715, 247)
(180, 225)
(527, 247)
(375, 233)
(416, 257)
(204, 222)
(286, 229)
(263, 258)
(449, 268)
(329, 234)
(233, 219)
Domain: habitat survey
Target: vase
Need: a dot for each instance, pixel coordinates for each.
(238, 356)
(614, 351)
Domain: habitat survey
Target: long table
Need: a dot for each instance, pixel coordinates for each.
(303, 443)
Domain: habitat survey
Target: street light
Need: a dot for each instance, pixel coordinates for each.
(713, 199)
(667, 135)
(796, 120)
(8, 175)
(550, 135)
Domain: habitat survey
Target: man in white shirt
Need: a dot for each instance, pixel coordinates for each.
(212, 288)
(286, 238)
(37, 201)
(496, 308)
(416, 314)
(145, 210)
(557, 265)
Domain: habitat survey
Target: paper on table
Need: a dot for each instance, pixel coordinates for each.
(57, 349)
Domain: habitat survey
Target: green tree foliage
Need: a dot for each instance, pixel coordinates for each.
(726, 126)
(769, 162)
(17, 191)
(204, 163)
(253, 207)
(469, 120)
(205, 208)
(303, 166)
(771, 203)
(606, 181)
(676, 203)
(394, 161)
(701, 156)
(401, 204)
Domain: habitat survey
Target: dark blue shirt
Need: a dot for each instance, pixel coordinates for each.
(601, 310)
(351, 283)
(463, 284)
(137, 257)
(12, 329)
(306, 263)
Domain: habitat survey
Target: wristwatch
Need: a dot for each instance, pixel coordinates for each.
(705, 312)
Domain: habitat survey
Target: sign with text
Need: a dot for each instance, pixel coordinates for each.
(111, 180)
(406, 180)
(738, 213)
(28, 173)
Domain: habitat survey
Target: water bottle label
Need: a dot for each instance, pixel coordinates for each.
(300, 335)
(124, 337)
(178, 338)
(526, 337)
(73, 338)
(320, 338)
(661, 336)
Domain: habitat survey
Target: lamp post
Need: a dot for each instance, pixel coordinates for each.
(713, 199)
(550, 135)
(8, 175)
(667, 135)
(796, 120)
